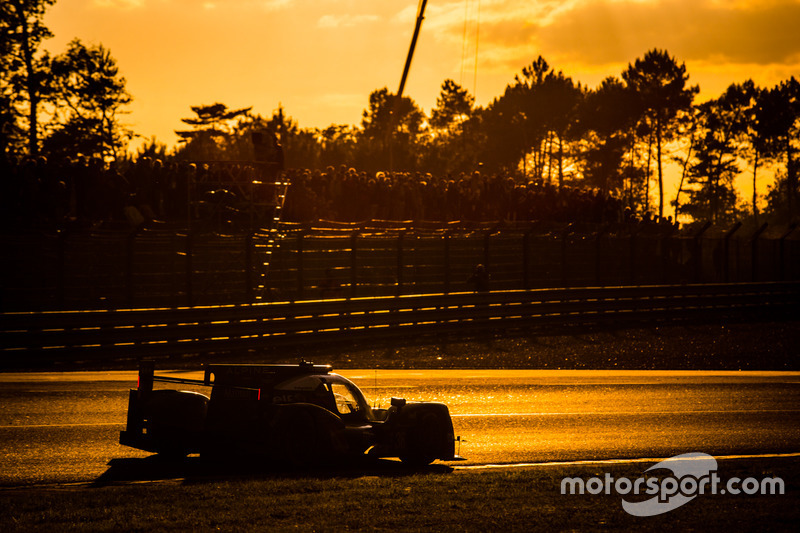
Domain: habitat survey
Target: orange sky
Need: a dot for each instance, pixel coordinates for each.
(321, 58)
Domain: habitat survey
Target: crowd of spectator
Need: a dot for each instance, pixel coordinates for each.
(347, 195)
(88, 192)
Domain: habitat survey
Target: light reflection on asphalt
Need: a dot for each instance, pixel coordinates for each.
(58, 427)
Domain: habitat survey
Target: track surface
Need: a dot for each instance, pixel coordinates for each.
(58, 428)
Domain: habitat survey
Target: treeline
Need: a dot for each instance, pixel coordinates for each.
(545, 129)
(61, 106)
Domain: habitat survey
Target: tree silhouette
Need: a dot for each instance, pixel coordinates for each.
(22, 31)
(534, 120)
(337, 144)
(450, 143)
(453, 106)
(514, 124)
(659, 84)
(560, 97)
(88, 92)
(605, 119)
(389, 120)
(505, 139)
(780, 113)
(688, 127)
(212, 125)
(212, 118)
(754, 133)
(722, 123)
(527, 96)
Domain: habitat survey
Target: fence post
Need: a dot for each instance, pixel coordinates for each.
(632, 257)
(666, 254)
(61, 264)
(526, 251)
(754, 250)
(564, 235)
(249, 293)
(447, 262)
(486, 257)
(300, 237)
(400, 237)
(189, 269)
(129, 257)
(698, 252)
(353, 263)
(597, 252)
(782, 250)
(726, 250)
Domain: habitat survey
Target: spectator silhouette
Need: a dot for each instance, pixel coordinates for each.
(331, 288)
(480, 279)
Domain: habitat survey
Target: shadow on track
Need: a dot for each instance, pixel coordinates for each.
(197, 470)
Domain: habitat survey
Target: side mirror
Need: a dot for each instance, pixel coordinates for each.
(398, 402)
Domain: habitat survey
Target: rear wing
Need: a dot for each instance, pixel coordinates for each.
(147, 377)
(232, 375)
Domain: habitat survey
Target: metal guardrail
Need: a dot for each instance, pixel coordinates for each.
(135, 333)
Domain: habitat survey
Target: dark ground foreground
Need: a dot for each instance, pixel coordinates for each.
(393, 499)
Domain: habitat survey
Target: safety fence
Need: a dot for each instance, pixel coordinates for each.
(172, 267)
(29, 337)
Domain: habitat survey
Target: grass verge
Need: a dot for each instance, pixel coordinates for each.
(391, 499)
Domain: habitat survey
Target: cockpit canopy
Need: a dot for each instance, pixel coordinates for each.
(331, 391)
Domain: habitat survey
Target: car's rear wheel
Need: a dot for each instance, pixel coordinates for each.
(175, 421)
(297, 443)
(423, 441)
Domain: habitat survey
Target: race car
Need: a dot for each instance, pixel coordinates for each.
(300, 414)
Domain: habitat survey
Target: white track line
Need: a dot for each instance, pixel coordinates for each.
(626, 413)
(25, 426)
(615, 461)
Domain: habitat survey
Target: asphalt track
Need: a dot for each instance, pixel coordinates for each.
(62, 428)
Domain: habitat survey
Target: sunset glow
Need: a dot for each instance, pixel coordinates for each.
(321, 59)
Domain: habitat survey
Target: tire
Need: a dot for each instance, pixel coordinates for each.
(176, 420)
(296, 436)
(424, 441)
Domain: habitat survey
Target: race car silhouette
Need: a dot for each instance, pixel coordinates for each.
(300, 414)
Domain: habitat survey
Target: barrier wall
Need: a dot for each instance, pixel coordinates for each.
(169, 268)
